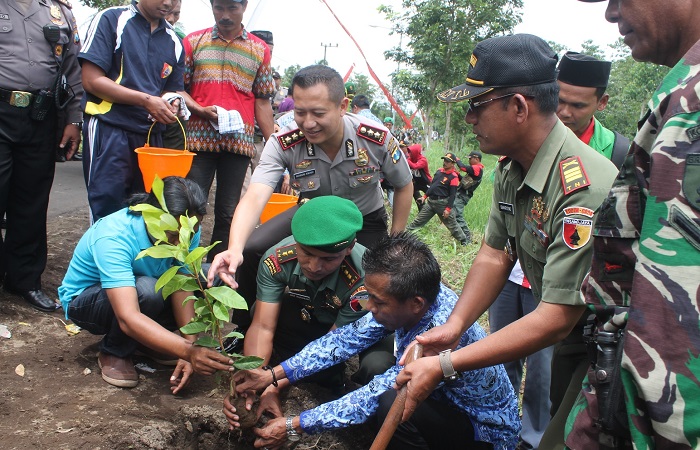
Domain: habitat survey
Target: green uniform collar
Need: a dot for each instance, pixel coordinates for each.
(546, 157)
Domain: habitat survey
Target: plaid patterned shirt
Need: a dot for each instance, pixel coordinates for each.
(230, 74)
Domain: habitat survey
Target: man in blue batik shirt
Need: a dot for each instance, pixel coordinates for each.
(476, 409)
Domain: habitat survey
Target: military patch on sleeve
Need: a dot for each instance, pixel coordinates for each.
(291, 138)
(576, 231)
(573, 175)
(349, 274)
(358, 299)
(272, 264)
(376, 135)
(395, 151)
(286, 253)
(691, 180)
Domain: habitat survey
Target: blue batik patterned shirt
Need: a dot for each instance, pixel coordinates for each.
(485, 395)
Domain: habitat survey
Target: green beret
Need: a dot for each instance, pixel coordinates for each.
(327, 223)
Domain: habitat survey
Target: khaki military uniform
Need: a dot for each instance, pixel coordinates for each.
(544, 218)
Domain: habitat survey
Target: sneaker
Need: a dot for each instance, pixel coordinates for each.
(161, 358)
(118, 372)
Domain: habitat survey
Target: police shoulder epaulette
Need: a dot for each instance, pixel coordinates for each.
(65, 3)
(573, 175)
(371, 133)
(291, 138)
(349, 274)
(286, 253)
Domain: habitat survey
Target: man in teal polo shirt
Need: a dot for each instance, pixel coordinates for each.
(582, 82)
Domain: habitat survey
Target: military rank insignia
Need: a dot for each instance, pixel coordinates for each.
(349, 274)
(576, 231)
(573, 175)
(373, 134)
(286, 253)
(349, 149)
(291, 138)
(272, 265)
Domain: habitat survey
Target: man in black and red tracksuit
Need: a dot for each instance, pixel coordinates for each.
(440, 199)
(468, 183)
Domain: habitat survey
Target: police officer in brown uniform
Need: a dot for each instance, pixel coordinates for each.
(39, 75)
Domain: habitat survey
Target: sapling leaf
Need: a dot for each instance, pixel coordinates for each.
(194, 328)
(165, 279)
(207, 341)
(157, 189)
(196, 255)
(189, 299)
(228, 297)
(220, 311)
(159, 251)
(234, 334)
(168, 222)
(247, 362)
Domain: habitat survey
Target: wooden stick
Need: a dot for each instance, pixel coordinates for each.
(393, 418)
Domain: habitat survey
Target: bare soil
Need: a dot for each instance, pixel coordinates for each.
(61, 401)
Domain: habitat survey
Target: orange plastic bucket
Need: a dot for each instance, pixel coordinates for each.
(163, 162)
(277, 204)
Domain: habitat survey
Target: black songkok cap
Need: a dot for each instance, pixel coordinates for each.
(583, 70)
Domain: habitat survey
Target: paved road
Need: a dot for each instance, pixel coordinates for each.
(68, 193)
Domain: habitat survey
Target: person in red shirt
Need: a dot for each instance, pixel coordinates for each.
(421, 172)
(468, 183)
(440, 198)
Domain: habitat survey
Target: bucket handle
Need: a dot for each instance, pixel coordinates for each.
(148, 138)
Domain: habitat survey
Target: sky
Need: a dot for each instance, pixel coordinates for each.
(300, 27)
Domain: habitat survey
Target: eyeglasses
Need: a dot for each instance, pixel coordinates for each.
(473, 105)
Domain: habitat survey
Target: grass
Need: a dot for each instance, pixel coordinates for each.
(455, 260)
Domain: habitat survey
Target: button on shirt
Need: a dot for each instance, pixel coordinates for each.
(485, 395)
(329, 299)
(554, 269)
(353, 174)
(28, 62)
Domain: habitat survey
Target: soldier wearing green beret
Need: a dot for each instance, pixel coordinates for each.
(312, 282)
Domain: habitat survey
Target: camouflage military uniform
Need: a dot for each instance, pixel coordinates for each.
(644, 281)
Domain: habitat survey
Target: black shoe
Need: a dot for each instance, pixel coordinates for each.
(37, 299)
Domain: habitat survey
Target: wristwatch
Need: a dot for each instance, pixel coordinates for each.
(292, 434)
(78, 124)
(448, 371)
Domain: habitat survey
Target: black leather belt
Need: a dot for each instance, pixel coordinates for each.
(436, 197)
(19, 99)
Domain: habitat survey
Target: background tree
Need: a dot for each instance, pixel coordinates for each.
(438, 37)
(104, 4)
(289, 73)
(630, 87)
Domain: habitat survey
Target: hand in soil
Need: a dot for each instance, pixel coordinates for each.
(238, 413)
(206, 361)
(181, 376)
(269, 403)
(252, 380)
(273, 434)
